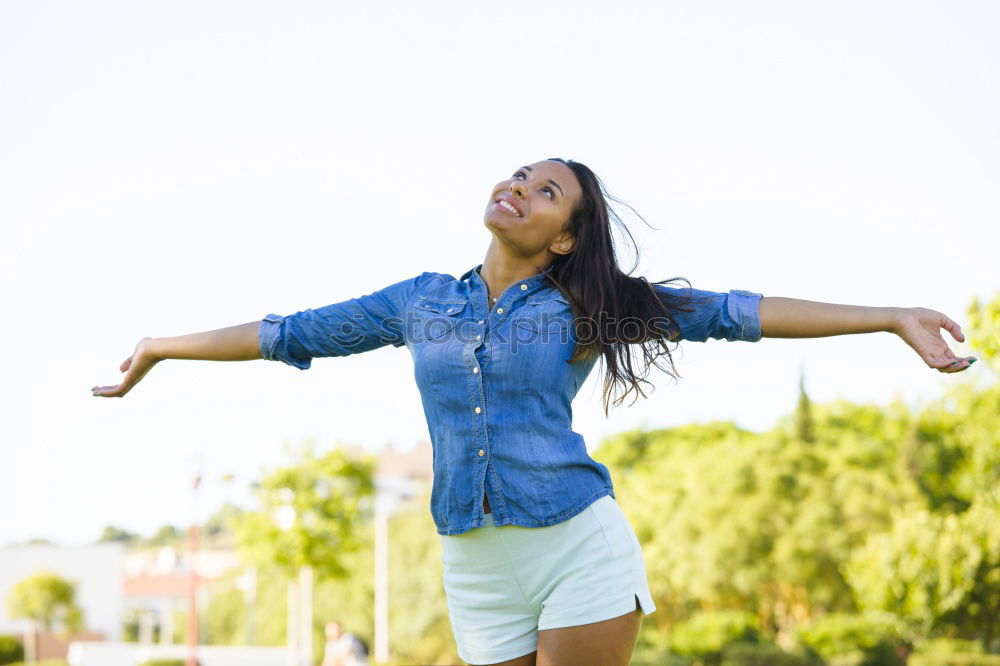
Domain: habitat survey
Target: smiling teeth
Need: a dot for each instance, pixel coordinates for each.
(506, 205)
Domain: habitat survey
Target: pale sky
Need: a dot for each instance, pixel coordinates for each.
(169, 168)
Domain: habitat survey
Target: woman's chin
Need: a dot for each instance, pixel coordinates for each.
(492, 223)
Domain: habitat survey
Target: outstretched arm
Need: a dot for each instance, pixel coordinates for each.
(233, 343)
(920, 328)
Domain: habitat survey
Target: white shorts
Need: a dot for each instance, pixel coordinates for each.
(504, 584)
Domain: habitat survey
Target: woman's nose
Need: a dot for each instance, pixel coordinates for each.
(517, 188)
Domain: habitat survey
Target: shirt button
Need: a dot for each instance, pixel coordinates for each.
(481, 452)
(524, 287)
(475, 370)
(479, 337)
(499, 310)
(480, 321)
(478, 410)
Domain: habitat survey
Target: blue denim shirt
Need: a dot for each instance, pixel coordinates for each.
(495, 387)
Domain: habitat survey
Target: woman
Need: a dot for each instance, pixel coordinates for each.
(540, 564)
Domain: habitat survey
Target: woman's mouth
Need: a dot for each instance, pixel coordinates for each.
(507, 207)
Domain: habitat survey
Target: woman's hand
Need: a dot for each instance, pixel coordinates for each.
(135, 368)
(921, 329)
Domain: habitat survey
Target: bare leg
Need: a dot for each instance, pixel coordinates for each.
(606, 643)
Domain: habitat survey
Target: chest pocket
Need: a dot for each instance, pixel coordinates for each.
(434, 319)
(545, 315)
(543, 336)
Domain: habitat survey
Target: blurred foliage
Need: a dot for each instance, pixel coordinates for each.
(418, 616)
(983, 331)
(762, 654)
(216, 532)
(957, 659)
(132, 627)
(937, 572)
(11, 649)
(323, 498)
(705, 634)
(871, 638)
(848, 535)
(116, 535)
(48, 599)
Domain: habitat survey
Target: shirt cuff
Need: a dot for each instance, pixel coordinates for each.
(268, 339)
(744, 309)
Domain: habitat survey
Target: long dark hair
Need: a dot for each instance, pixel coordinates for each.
(616, 312)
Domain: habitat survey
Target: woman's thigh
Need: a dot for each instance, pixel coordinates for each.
(606, 643)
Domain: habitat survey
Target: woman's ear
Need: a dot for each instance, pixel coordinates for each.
(563, 244)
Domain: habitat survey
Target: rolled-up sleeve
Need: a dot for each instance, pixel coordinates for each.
(732, 315)
(340, 329)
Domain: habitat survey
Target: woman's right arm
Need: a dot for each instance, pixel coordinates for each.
(233, 343)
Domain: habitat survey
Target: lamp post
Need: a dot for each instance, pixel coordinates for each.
(390, 493)
(300, 592)
(248, 584)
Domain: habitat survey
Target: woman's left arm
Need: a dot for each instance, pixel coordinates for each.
(920, 328)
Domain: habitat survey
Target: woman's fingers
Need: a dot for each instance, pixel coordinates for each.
(135, 368)
(958, 364)
(952, 327)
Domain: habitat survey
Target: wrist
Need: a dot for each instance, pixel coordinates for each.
(154, 348)
(896, 317)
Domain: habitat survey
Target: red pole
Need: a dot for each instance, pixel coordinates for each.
(192, 616)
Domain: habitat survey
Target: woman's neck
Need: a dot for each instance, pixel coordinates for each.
(500, 270)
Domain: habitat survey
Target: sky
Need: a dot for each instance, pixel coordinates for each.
(170, 168)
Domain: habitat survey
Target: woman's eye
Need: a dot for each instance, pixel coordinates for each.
(547, 189)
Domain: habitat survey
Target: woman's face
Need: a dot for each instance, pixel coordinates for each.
(530, 209)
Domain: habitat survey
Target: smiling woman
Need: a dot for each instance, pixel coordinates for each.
(540, 564)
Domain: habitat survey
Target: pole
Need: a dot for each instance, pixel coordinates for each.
(381, 583)
(31, 642)
(250, 596)
(293, 622)
(305, 615)
(192, 619)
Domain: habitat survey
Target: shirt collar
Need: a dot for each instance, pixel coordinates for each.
(530, 281)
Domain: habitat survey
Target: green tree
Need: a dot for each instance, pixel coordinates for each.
(325, 498)
(219, 527)
(324, 501)
(984, 330)
(764, 522)
(803, 413)
(48, 599)
(940, 572)
(165, 536)
(114, 534)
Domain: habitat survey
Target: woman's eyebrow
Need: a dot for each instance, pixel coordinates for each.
(528, 168)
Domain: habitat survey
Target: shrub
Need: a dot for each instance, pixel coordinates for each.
(11, 650)
(869, 639)
(760, 654)
(954, 659)
(704, 635)
(948, 646)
